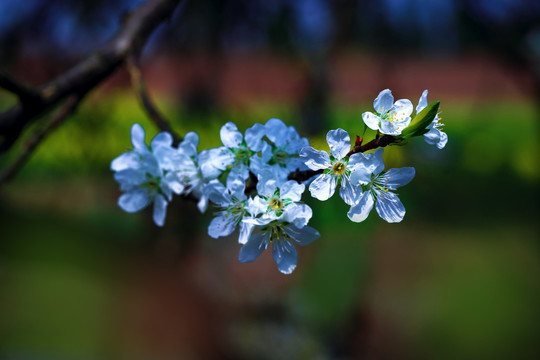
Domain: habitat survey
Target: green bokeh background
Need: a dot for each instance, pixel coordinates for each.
(458, 278)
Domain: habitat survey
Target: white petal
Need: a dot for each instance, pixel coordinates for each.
(390, 207)
(288, 258)
(217, 193)
(127, 160)
(253, 248)
(297, 214)
(276, 131)
(254, 137)
(402, 108)
(203, 203)
(303, 236)
(314, 159)
(389, 128)
(323, 187)
(339, 142)
(371, 120)
(214, 161)
(349, 192)
(137, 138)
(189, 145)
(363, 165)
(221, 226)
(360, 211)
(292, 190)
(134, 201)
(245, 232)
(422, 103)
(395, 178)
(130, 177)
(236, 187)
(384, 101)
(160, 210)
(162, 139)
(433, 136)
(230, 136)
(285, 255)
(444, 139)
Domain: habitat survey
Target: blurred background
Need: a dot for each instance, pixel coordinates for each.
(457, 279)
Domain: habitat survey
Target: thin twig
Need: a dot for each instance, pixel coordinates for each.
(138, 84)
(37, 137)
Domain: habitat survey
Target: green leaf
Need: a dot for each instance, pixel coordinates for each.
(418, 125)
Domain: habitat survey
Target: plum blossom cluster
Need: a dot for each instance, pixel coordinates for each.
(256, 180)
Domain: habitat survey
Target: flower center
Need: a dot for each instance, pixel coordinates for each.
(275, 204)
(339, 168)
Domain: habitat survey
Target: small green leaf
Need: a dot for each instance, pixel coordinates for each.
(418, 125)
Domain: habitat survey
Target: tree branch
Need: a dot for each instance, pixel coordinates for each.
(138, 84)
(88, 73)
(24, 93)
(36, 138)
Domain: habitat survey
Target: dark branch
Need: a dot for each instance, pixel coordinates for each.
(138, 84)
(36, 138)
(378, 142)
(87, 74)
(25, 94)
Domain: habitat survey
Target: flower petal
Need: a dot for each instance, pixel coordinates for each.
(254, 137)
(127, 160)
(402, 108)
(245, 232)
(323, 187)
(422, 103)
(214, 161)
(137, 138)
(442, 142)
(371, 120)
(217, 193)
(188, 146)
(292, 190)
(253, 248)
(339, 143)
(395, 178)
(360, 211)
(162, 139)
(348, 191)
(285, 255)
(315, 159)
(221, 226)
(303, 236)
(297, 214)
(389, 128)
(389, 207)
(203, 203)
(130, 177)
(276, 131)
(160, 210)
(134, 201)
(384, 101)
(230, 136)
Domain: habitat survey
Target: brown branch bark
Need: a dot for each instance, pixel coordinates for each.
(24, 93)
(138, 84)
(36, 138)
(88, 73)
